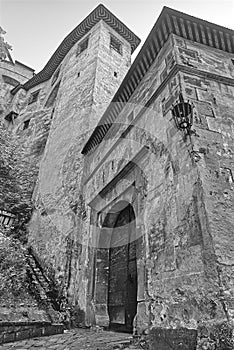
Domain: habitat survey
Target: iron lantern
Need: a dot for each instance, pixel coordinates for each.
(183, 114)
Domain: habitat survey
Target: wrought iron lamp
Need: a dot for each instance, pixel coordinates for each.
(183, 114)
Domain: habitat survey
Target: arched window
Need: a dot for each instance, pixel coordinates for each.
(116, 44)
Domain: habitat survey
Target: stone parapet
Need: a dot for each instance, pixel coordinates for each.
(14, 331)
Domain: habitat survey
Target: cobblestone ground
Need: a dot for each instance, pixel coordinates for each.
(78, 339)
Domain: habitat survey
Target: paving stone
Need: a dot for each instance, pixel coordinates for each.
(78, 339)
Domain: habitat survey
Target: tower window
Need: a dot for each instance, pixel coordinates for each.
(115, 74)
(82, 46)
(26, 124)
(232, 59)
(34, 96)
(116, 44)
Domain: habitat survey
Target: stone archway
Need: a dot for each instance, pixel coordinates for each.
(116, 269)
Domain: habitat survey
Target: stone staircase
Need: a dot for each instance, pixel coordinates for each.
(43, 288)
(35, 311)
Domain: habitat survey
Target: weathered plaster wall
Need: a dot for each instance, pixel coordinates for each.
(213, 97)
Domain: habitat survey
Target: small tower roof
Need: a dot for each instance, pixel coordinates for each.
(99, 13)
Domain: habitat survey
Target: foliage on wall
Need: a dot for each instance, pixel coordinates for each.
(13, 272)
(17, 180)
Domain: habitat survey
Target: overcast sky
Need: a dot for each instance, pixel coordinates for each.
(35, 28)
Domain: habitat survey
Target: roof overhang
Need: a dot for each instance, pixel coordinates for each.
(169, 21)
(99, 13)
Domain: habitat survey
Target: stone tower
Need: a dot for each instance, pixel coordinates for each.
(62, 105)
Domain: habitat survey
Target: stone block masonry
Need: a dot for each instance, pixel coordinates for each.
(10, 332)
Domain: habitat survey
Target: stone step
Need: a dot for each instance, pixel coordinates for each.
(41, 282)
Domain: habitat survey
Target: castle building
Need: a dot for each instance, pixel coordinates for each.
(132, 189)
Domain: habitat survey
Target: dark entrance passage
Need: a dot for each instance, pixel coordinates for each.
(122, 284)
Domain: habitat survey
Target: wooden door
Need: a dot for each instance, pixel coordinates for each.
(122, 285)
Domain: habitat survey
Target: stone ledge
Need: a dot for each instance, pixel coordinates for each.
(13, 331)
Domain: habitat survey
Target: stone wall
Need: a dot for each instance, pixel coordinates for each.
(213, 98)
(184, 199)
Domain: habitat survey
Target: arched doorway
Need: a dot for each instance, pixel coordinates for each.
(122, 279)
